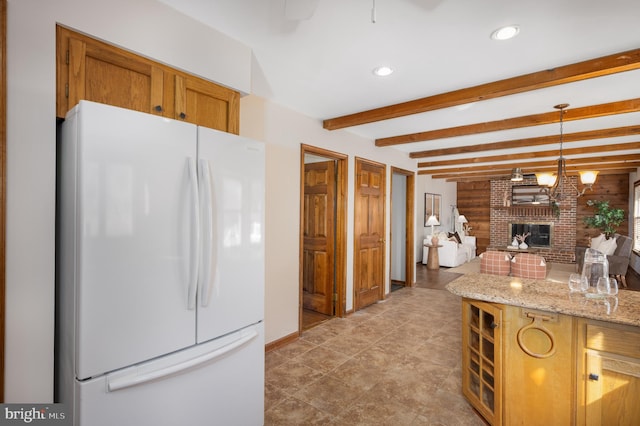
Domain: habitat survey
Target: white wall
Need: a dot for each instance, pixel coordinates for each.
(448, 190)
(284, 131)
(398, 226)
(154, 30)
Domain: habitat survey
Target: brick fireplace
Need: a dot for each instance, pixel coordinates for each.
(563, 219)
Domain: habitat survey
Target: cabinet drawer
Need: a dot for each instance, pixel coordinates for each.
(614, 340)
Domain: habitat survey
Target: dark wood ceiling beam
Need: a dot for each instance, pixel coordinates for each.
(534, 154)
(573, 166)
(525, 143)
(472, 178)
(605, 65)
(593, 111)
(571, 170)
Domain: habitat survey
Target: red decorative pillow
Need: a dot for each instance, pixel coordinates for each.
(527, 265)
(495, 263)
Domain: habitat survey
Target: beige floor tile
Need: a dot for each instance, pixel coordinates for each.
(394, 363)
(293, 412)
(374, 408)
(292, 376)
(322, 359)
(330, 395)
(296, 348)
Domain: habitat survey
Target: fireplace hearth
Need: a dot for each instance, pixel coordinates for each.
(541, 233)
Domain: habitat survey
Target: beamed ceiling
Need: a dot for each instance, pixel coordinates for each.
(490, 160)
(462, 105)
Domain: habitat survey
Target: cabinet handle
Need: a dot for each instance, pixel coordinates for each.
(158, 108)
(594, 377)
(493, 324)
(182, 115)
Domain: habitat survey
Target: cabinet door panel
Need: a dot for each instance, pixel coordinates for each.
(481, 358)
(205, 104)
(93, 70)
(613, 386)
(100, 75)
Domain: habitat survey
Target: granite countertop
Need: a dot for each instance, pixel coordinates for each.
(549, 296)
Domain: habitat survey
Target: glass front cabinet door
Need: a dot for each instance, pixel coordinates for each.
(481, 358)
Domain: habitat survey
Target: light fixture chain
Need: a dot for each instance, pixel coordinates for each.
(373, 12)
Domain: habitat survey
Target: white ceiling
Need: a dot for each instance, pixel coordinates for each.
(322, 66)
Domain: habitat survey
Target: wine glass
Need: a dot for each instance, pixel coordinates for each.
(603, 286)
(613, 287)
(578, 283)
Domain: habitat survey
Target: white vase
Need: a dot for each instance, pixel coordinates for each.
(523, 245)
(514, 242)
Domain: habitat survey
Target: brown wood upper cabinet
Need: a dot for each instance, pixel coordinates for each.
(96, 71)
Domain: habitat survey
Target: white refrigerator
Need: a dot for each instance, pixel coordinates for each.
(160, 271)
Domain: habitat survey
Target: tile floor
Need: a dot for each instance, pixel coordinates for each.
(393, 363)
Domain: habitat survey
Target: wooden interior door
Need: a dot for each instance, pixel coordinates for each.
(319, 236)
(369, 233)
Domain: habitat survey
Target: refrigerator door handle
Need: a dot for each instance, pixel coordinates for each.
(195, 236)
(134, 379)
(207, 244)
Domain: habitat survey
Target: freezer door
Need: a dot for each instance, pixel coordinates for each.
(231, 285)
(218, 383)
(136, 198)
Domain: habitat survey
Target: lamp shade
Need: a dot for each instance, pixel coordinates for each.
(545, 179)
(462, 219)
(432, 220)
(588, 177)
(516, 175)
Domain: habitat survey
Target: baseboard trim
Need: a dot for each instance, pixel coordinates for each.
(283, 341)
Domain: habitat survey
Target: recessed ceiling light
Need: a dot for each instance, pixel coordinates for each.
(383, 71)
(505, 33)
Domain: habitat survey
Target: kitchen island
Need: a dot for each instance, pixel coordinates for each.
(535, 353)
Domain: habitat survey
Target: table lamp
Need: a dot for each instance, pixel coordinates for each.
(433, 221)
(462, 220)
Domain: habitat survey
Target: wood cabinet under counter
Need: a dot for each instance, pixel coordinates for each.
(555, 358)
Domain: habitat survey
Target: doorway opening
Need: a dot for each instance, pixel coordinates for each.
(401, 263)
(323, 224)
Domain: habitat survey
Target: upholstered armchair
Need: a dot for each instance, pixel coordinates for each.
(618, 261)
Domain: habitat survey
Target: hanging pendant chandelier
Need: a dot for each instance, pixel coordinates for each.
(554, 184)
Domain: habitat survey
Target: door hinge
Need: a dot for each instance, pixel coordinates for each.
(335, 297)
(66, 60)
(66, 90)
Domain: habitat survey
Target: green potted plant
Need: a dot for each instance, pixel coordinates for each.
(606, 218)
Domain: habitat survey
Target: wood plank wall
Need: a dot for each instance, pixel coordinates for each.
(474, 202)
(615, 189)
